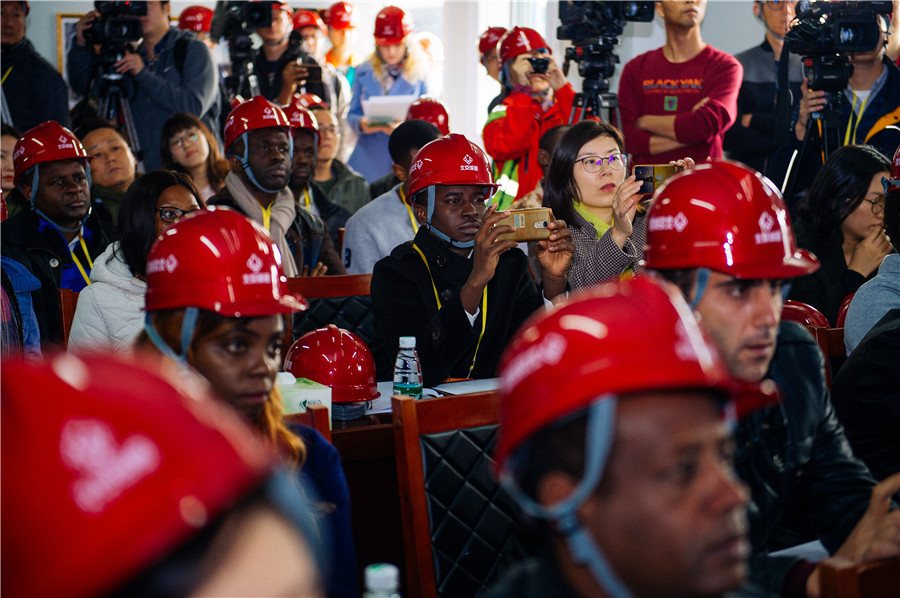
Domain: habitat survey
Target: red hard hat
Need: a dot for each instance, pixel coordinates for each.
(488, 40)
(309, 100)
(520, 40)
(237, 101)
(392, 25)
(301, 118)
(220, 261)
(895, 170)
(257, 113)
(195, 18)
(430, 110)
(601, 343)
(727, 217)
(120, 462)
(309, 18)
(47, 142)
(450, 160)
(337, 358)
(340, 16)
(284, 7)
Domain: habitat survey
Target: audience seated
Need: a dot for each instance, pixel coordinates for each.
(457, 288)
(110, 311)
(112, 163)
(840, 219)
(58, 239)
(342, 186)
(380, 226)
(189, 147)
(396, 67)
(535, 102)
(721, 231)
(227, 293)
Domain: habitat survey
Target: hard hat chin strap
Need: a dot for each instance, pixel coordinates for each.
(700, 287)
(584, 550)
(436, 232)
(43, 216)
(188, 324)
(245, 163)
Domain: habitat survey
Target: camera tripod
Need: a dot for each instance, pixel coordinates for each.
(829, 120)
(592, 100)
(113, 105)
(240, 49)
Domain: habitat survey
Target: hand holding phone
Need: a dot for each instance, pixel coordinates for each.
(653, 176)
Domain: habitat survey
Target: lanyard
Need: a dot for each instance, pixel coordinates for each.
(5, 75)
(87, 255)
(862, 108)
(306, 200)
(438, 300)
(267, 215)
(412, 218)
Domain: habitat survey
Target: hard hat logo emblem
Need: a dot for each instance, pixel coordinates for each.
(254, 263)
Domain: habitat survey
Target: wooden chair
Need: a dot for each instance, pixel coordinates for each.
(330, 286)
(315, 417)
(66, 299)
(458, 524)
(842, 579)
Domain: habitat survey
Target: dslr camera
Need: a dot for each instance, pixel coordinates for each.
(235, 20)
(115, 28)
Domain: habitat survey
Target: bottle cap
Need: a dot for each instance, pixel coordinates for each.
(407, 342)
(382, 577)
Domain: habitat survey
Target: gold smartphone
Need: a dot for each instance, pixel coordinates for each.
(530, 224)
(652, 176)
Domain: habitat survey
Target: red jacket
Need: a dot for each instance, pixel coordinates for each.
(511, 137)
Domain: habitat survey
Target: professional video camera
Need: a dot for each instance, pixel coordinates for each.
(114, 29)
(594, 29)
(235, 20)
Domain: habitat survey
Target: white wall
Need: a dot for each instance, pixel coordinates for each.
(729, 25)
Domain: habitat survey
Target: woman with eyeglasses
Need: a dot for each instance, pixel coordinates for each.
(188, 146)
(841, 220)
(588, 186)
(110, 311)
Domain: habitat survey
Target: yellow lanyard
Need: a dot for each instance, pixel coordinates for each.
(267, 215)
(87, 255)
(438, 300)
(5, 75)
(306, 200)
(862, 108)
(408, 207)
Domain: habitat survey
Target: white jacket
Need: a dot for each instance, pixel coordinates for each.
(110, 311)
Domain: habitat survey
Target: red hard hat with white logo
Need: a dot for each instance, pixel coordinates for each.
(220, 261)
(430, 110)
(601, 343)
(519, 40)
(337, 358)
(392, 25)
(895, 171)
(195, 18)
(301, 118)
(256, 113)
(340, 16)
(727, 217)
(309, 18)
(308, 100)
(120, 462)
(450, 160)
(488, 40)
(47, 142)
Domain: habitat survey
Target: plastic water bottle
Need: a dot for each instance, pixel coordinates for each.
(408, 369)
(382, 581)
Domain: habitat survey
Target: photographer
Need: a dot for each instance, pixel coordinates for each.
(168, 73)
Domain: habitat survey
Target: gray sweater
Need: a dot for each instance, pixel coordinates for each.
(375, 230)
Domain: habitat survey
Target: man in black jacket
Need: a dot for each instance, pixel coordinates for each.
(722, 233)
(457, 288)
(58, 238)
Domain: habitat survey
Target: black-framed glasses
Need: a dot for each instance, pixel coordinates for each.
(180, 141)
(171, 215)
(877, 205)
(595, 163)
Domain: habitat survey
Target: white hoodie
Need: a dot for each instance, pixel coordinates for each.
(110, 311)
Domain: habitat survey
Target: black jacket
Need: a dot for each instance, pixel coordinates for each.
(33, 89)
(335, 216)
(795, 456)
(403, 304)
(46, 255)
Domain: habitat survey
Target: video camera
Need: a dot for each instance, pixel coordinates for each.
(235, 20)
(594, 29)
(116, 27)
(823, 32)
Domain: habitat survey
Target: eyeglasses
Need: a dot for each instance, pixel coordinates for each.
(876, 204)
(330, 129)
(780, 5)
(179, 141)
(595, 163)
(171, 215)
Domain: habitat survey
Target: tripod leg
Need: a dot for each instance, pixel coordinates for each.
(128, 123)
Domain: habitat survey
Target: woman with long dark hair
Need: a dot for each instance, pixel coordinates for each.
(189, 146)
(110, 310)
(841, 220)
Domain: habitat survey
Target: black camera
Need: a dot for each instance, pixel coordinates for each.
(114, 27)
(539, 65)
(237, 17)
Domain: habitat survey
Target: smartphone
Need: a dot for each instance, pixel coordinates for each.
(652, 176)
(313, 73)
(530, 224)
(539, 65)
